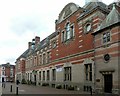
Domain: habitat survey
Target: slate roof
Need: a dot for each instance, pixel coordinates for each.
(91, 6)
(112, 18)
(44, 43)
(7, 65)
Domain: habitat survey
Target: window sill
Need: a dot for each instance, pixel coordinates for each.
(68, 40)
(107, 44)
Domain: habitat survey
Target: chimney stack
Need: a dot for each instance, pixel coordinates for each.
(29, 45)
(34, 42)
(37, 40)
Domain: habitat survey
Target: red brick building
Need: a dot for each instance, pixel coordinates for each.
(66, 58)
(20, 68)
(7, 72)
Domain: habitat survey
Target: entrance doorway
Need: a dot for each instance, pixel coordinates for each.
(108, 83)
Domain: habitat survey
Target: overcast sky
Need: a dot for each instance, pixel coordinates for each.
(22, 20)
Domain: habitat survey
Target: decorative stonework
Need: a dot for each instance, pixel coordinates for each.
(67, 11)
(106, 57)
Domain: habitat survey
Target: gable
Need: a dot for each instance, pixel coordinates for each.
(67, 11)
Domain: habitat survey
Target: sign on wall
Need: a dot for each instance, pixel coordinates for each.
(59, 68)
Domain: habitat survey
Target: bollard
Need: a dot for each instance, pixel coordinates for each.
(4, 85)
(16, 90)
(11, 88)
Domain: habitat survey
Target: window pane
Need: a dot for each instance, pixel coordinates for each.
(63, 36)
(68, 31)
(72, 31)
(48, 57)
(40, 59)
(106, 37)
(67, 74)
(43, 75)
(54, 74)
(88, 72)
(90, 78)
(48, 76)
(39, 75)
(44, 59)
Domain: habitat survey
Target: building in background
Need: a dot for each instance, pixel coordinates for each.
(7, 72)
(67, 58)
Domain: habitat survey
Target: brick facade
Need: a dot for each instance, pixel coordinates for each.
(70, 54)
(7, 72)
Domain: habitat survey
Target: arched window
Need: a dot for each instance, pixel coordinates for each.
(87, 28)
(68, 31)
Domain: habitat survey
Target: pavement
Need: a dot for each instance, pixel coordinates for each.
(11, 88)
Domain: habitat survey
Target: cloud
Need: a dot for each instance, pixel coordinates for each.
(21, 24)
(22, 20)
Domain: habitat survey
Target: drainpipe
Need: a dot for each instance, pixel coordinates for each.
(94, 64)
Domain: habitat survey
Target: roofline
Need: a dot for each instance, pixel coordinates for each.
(115, 24)
(6, 64)
(94, 9)
(35, 50)
(79, 9)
